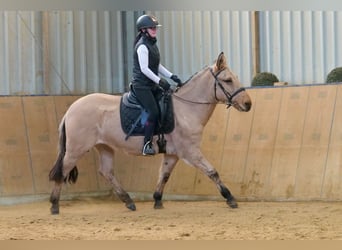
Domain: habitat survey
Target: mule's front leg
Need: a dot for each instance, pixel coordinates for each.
(199, 161)
(168, 164)
(214, 176)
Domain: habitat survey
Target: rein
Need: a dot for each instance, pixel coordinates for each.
(217, 83)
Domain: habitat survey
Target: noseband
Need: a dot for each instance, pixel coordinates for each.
(225, 92)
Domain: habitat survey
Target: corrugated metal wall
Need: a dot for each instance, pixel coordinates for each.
(300, 46)
(62, 52)
(85, 51)
(21, 68)
(189, 40)
(79, 52)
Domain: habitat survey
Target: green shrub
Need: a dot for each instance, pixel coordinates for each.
(264, 79)
(335, 75)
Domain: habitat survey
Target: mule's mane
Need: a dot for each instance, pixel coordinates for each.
(219, 65)
(195, 74)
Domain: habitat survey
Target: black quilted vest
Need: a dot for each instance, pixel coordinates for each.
(153, 61)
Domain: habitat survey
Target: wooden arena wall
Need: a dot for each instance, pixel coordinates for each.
(288, 147)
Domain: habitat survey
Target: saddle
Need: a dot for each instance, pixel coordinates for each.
(134, 116)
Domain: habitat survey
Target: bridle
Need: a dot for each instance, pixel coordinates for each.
(225, 92)
(219, 84)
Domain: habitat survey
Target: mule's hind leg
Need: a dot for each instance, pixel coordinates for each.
(64, 170)
(106, 155)
(168, 164)
(54, 197)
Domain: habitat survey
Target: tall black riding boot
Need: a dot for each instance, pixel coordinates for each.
(148, 146)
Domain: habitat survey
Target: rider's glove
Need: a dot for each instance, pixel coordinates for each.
(164, 84)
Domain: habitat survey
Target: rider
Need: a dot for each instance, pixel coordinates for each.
(146, 66)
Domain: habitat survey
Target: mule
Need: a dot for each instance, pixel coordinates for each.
(94, 121)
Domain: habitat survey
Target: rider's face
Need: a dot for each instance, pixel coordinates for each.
(152, 31)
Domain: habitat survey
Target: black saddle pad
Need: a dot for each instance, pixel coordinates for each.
(133, 116)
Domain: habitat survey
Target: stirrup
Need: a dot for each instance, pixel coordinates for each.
(148, 149)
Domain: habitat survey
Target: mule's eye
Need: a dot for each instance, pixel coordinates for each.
(229, 80)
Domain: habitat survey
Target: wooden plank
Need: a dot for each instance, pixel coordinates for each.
(62, 103)
(288, 143)
(15, 166)
(316, 135)
(15, 175)
(41, 127)
(332, 185)
(144, 173)
(260, 152)
(182, 180)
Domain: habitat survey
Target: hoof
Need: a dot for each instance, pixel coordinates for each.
(232, 203)
(158, 205)
(131, 206)
(54, 210)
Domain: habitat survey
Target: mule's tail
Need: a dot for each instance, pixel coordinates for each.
(56, 173)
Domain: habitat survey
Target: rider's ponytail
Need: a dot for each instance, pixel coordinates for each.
(138, 37)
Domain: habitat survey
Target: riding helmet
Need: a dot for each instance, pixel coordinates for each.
(147, 21)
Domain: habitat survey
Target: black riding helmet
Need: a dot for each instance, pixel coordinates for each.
(147, 21)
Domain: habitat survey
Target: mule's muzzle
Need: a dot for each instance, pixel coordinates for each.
(243, 107)
(248, 106)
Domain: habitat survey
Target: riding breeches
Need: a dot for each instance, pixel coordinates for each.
(147, 99)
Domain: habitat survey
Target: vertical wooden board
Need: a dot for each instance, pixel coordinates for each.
(332, 185)
(144, 173)
(212, 147)
(316, 136)
(123, 169)
(41, 122)
(13, 133)
(182, 180)
(288, 142)
(236, 145)
(41, 127)
(62, 103)
(263, 135)
(15, 175)
(310, 173)
(15, 166)
(283, 173)
(233, 166)
(42, 164)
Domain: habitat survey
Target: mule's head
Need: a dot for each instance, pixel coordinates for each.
(228, 87)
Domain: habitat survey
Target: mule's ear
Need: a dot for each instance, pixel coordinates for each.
(221, 61)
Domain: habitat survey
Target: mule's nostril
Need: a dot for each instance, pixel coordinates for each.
(248, 105)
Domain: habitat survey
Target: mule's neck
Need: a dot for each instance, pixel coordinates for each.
(196, 100)
(200, 89)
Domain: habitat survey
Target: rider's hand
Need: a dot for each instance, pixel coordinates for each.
(176, 79)
(164, 84)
